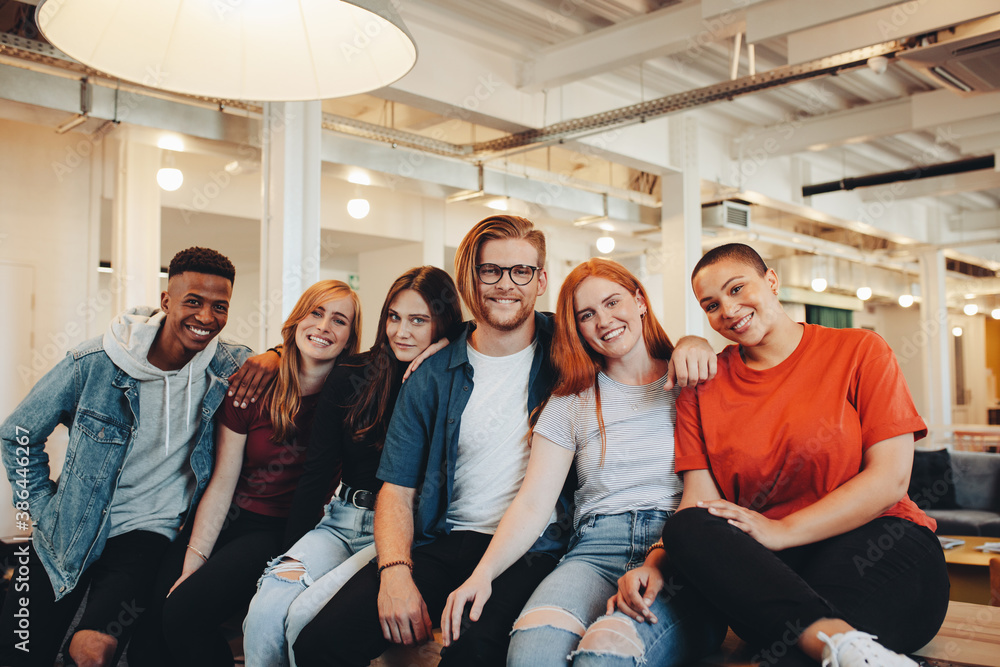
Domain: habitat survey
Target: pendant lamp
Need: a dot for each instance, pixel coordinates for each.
(259, 50)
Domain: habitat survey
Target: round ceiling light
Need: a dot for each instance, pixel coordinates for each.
(864, 293)
(605, 244)
(265, 50)
(169, 178)
(906, 300)
(358, 208)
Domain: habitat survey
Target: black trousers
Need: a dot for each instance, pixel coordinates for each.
(887, 578)
(185, 629)
(347, 631)
(120, 587)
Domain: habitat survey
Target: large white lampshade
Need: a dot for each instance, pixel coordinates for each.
(262, 50)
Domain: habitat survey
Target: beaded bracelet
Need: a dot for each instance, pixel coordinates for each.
(654, 547)
(394, 564)
(200, 554)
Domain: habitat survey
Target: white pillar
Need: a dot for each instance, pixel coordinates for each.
(934, 328)
(680, 221)
(433, 212)
(135, 226)
(290, 229)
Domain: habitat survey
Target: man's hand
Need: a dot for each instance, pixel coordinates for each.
(253, 378)
(692, 362)
(401, 609)
(636, 591)
(476, 590)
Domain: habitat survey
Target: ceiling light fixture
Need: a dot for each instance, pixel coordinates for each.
(499, 204)
(995, 314)
(956, 332)
(605, 245)
(864, 293)
(170, 142)
(269, 50)
(819, 284)
(359, 178)
(906, 300)
(970, 309)
(169, 178)
(358, 208)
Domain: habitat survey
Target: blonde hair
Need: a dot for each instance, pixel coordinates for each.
(285, 394)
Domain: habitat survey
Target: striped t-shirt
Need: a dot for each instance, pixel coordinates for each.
(638, 470)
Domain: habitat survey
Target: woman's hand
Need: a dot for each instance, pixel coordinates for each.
(431, 350)
(636, 591)
(692, 362)
(190, 567)
(477, 589)
(253, 378)
(769, 532)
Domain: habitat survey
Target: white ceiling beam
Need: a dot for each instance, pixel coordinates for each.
(664, 32)
(984, 143)
(968, 221)
(938, 186)
(711, 8)
(955, 120)
(897, 22)
(822, 132)
(782, 17)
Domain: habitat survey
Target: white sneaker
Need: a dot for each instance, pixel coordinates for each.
(859, 649)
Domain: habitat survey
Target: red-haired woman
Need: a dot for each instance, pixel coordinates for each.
(259, 457)
(610, 415)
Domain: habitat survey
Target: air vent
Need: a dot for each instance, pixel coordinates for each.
(726, 215)
(964, 59)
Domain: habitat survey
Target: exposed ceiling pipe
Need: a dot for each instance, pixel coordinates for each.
(911, 174)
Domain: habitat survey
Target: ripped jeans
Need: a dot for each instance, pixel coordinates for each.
(282, 607)
(572, 601)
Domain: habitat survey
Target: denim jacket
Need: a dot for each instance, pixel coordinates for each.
(99, 403)
(421, 445)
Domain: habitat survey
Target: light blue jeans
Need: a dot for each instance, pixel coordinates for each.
(575, 596)
(340, 545)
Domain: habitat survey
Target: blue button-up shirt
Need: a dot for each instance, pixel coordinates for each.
(421, 445)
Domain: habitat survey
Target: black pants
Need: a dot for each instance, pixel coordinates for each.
(347, 631)
(120, 588)
(185, 629)
(887, 578)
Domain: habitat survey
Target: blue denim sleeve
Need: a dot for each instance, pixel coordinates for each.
(23, 434)
(408, 438)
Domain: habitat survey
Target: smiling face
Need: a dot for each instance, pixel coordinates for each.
(609, 318)
(740, 304)
(322, 334)
(409, 326)
(505, 305)
(196, 307)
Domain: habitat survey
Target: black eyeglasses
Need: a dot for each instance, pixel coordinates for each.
(491, 274)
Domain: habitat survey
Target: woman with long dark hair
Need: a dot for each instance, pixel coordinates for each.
(610, 417)
(352, 418)
(240, 521)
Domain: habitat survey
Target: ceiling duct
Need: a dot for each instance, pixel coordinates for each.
(964, 59)
(726, 215)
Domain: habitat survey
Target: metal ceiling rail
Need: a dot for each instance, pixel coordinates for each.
(727, 90)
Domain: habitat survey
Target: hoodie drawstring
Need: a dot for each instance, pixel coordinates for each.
(188, 412)
(166, 413)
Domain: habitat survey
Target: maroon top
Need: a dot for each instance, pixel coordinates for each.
(270, 470)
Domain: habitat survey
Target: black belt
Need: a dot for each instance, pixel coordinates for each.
(363, 500)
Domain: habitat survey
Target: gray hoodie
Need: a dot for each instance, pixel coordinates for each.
(156, 483)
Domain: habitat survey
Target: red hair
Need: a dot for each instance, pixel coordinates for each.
(575, 363)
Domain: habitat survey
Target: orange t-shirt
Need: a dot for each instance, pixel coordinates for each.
(778, 440)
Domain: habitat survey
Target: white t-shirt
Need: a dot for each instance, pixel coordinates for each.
(492, 441)
(638, 470)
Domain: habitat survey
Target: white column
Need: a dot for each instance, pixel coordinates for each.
(680, 221)
(290, 228)
(135, 226)
(934, 329)
(433, 212)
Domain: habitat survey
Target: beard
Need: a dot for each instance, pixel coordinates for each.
(509, 322)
